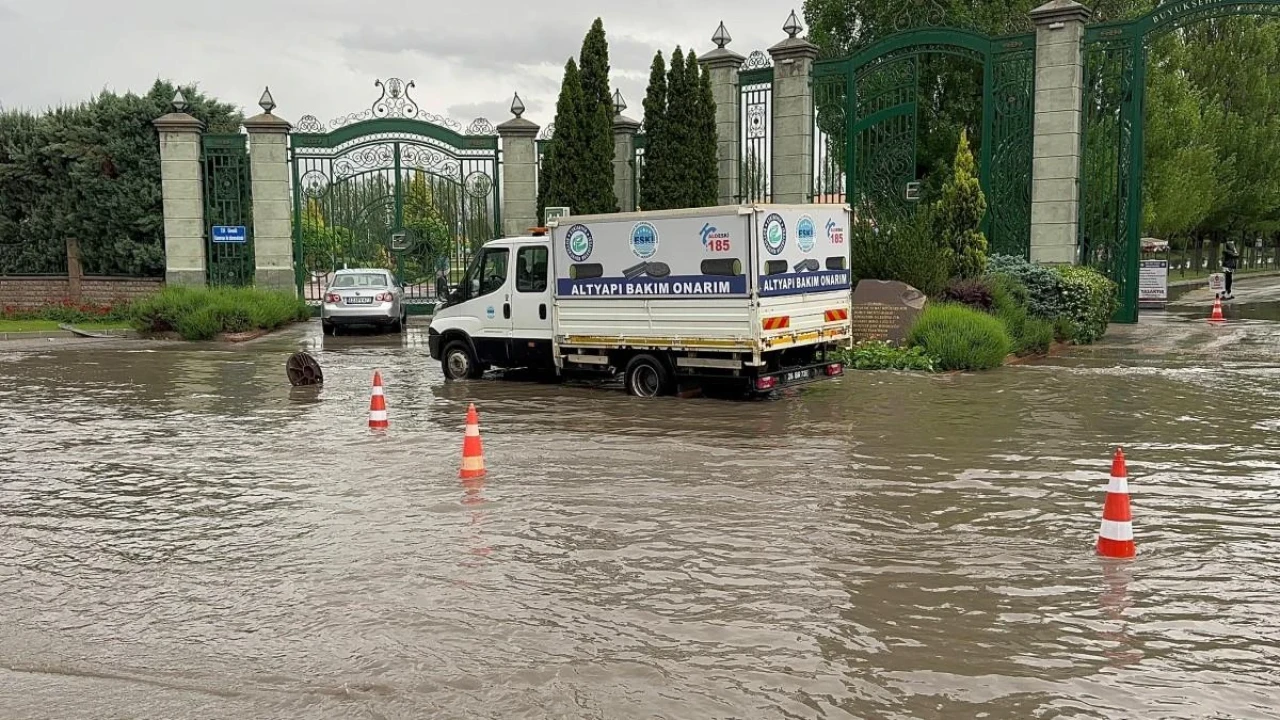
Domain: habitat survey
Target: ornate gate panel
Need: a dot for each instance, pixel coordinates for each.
(393, 187)
(227, 202)
(868, 105)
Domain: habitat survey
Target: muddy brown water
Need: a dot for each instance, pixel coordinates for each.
(182, 535)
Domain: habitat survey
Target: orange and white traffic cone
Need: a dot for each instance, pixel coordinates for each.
(1216, 315)
(1115, 539)
(377, 405)
(472, 452)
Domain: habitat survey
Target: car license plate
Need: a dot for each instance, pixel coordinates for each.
(360, 301)
(798, 375)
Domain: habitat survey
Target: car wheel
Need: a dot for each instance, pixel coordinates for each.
(647, 377)
(458, 363)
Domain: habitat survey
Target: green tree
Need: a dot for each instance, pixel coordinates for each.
(681, 168)
(425, 222)
(655, 178)
(566, 153)
(596, 123)
(705, 157)
(91, 172)
(959, 212)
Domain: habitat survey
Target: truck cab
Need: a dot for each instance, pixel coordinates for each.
(499, 314)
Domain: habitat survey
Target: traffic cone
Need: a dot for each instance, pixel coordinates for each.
(472, 452)
(1216, 315)
(1115, 539)
(377, 405)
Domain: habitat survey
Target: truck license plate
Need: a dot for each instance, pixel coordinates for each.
(360, 301)
(797, 375)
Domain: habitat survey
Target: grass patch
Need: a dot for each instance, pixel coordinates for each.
(960, 337)
(203, 313)
(880, 355)
(52, 325)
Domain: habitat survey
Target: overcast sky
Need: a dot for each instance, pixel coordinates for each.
(321, 57)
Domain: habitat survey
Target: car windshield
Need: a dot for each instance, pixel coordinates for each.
(359, 280)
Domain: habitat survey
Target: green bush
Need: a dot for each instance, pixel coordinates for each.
(1044, 285)
(1090, 299)
(906, 251)
(880, 355)
(958, 215)
(202, 313)
(961, 338)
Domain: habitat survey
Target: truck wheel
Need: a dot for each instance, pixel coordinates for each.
(647, 377)
(458, 363)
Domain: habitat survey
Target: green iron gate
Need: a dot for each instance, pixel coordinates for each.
(1111, 163)
(392, 187)
(227, 202)
(867, 114)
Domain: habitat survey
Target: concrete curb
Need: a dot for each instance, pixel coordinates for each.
(64, 334)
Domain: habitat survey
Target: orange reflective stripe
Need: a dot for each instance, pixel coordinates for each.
(777, 323)
(837, 315)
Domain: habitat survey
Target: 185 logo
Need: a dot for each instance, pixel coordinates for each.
(713, 240)
(835, 233)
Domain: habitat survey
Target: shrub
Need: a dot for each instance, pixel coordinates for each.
(202, 313)
(906, 251)
(961, 338)
(1090, 299)
(974, 292)
(1044, 285)
(880, 355)
(1030, 334)
(958, 215)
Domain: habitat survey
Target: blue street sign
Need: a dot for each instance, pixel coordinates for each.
(230, 234)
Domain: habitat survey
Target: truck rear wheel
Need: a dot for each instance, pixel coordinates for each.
(647, 377)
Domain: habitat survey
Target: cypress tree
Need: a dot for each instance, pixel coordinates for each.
(595, 176)
(678, 124)
(655, 180)
(562, 166)
(706, 168)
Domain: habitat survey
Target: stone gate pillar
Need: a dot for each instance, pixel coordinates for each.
(625, 175)
(519, 172)
(723, 65)
(272, 198)
(793, 115)
(1055, 172)
(183, 195)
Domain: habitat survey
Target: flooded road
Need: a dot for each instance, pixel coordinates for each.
(183, 535)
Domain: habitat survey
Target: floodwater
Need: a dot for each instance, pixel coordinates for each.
(183, 535)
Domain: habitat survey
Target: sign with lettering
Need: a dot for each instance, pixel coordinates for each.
(885, 310)
(1153, 281)
(230, 234)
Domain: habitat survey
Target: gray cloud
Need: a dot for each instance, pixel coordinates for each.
(462, 56)
(478, 50)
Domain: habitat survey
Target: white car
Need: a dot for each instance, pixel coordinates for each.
(363, 296)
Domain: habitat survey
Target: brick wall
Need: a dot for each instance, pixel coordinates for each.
(35, 291)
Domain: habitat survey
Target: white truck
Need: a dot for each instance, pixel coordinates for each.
(752, 295)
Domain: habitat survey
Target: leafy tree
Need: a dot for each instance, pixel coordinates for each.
(91, 172)
(424, 220)
(596, 123)
(958, 215)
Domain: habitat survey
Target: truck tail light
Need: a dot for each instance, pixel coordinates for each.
(766, 383)
(835, 369)
(333, 298)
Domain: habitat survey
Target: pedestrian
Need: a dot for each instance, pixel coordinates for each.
(1230, 258)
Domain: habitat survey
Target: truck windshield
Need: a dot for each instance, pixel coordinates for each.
(487, 273)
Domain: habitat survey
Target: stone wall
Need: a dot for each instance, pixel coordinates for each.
(34, 291)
